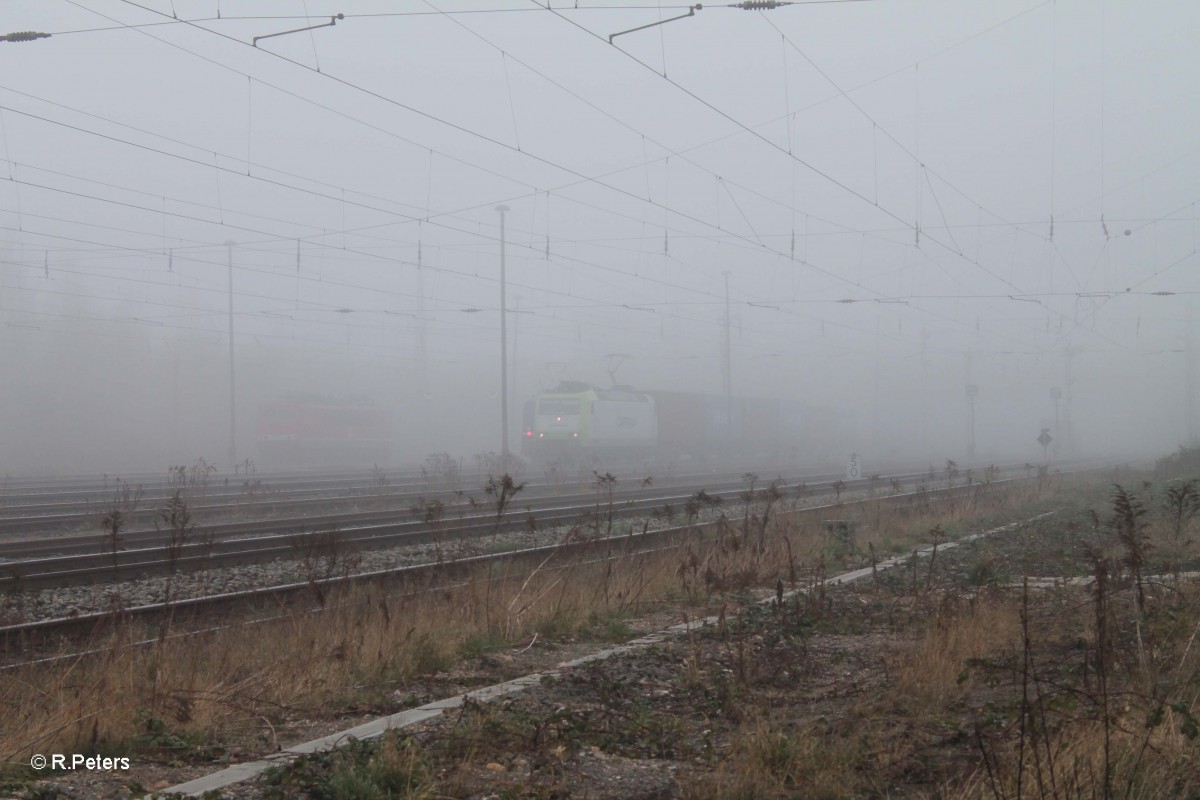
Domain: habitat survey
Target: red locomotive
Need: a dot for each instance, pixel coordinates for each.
(308, 430)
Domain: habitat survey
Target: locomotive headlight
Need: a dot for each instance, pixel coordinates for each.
(558, 419)
(575, 435)
(540, 435)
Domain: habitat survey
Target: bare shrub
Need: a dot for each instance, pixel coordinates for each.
(120, 508)
(501, 493)
(322, 556)
(1128, 524)
(1181, 504)
(176, 518)
(441, 468)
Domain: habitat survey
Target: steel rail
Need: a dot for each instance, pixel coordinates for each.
(269, 543)
(389, 505)
(45, 517)
(395, 507)
(268, 540)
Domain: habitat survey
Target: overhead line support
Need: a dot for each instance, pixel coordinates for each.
(332, 21)
(691, 13)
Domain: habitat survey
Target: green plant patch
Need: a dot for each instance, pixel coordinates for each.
(389, 768)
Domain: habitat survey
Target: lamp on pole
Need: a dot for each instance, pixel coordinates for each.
(232, 384)
(503, 349)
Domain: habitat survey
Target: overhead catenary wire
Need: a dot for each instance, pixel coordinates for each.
(176, 20)
(455, 126)
(759, 136)
(148, 194)
(244, 228)
(919, 163)
(426, 216)
(144, 319)
(322, 280)
(821, 173)
(731, 193)
(375, 94)
(11, 166)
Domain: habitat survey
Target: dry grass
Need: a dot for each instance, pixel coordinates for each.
(1142, 765)
(364, 646)
(768, 761)
(1117, 720)
(934, 672)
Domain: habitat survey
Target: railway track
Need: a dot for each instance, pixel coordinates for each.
(73, 561)
(49, 507)
(43, 534)
(66, 488)
(20, 639)
(633, 538)
(54, 512)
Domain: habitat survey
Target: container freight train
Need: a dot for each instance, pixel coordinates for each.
(578, 423)
(313, 431)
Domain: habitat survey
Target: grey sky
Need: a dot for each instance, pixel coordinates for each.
(906, 156)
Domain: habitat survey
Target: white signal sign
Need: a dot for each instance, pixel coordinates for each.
(853, 468)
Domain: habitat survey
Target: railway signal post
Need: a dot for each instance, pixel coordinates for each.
(1044, 439)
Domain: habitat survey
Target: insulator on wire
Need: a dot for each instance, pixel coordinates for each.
(23, 36)
(759, 5)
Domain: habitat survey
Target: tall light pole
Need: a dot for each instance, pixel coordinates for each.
(503, 349)
(516, 352)
(232, 383)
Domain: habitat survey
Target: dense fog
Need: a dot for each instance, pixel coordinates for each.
(953, 225)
